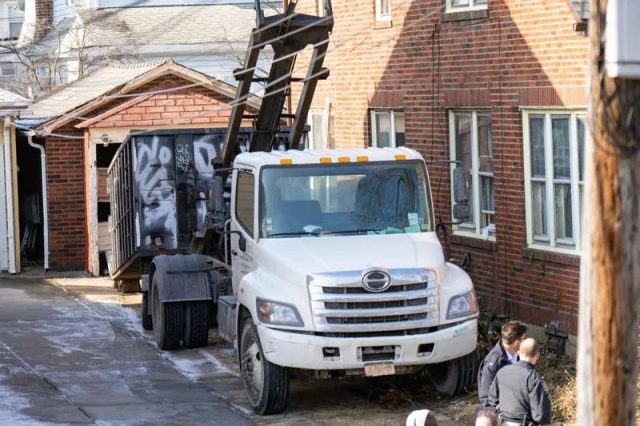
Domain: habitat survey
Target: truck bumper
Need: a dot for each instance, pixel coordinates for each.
(306, 351)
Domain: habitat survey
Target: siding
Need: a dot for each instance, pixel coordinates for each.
(62, 9)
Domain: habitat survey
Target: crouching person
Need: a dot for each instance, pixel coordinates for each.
(519, 391)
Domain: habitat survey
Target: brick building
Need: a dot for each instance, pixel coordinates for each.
(497, 84)
(82, 126)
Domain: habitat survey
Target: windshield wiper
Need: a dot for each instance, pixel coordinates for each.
(285, 234)
(354, 231)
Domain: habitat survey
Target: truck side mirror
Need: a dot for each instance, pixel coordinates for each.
(461, 192)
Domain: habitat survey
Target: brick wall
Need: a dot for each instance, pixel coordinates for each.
(516, 53)
(65, 188)
(67, 167)
(44, 17)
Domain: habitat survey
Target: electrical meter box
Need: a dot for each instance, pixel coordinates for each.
(622, 48)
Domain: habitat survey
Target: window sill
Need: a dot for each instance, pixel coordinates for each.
(543, 255)
(473, 241)
(465, 15)
(383, 23)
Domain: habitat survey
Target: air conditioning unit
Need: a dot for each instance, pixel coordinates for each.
(622, 49)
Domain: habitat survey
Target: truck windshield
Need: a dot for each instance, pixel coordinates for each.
(344, 199)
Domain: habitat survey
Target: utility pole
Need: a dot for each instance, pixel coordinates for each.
(610, 267)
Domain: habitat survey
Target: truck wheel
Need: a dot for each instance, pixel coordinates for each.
(196, 330)
(147, 322)
(455, 376)
(168, 320)
(266, 384)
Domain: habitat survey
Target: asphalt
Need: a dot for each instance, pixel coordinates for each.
(68, 360)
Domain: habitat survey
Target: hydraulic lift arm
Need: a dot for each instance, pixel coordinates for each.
(288, 34)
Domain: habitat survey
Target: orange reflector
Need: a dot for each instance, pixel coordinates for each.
(362, 158)
(401, 157)
(344, 159)
(325, 160)
(286, 161)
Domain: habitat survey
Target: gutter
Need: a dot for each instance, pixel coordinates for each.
(45, 200)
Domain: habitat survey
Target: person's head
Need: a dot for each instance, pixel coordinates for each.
(421, 418)
(486, 417)
(513, 332)
(530, 350)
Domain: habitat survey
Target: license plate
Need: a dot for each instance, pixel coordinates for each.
(379, 369)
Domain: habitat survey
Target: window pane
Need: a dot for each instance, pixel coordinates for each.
(244, 201)
(486, 201)
(459, 3)
(485, 143)
(478, 2)
(539, 205)
(462, 122)
(563, 217)
(561, 151)
(399, 124)
(317, 130)
(582, 130)
(536, 132)
(383, 129)
(385, 7)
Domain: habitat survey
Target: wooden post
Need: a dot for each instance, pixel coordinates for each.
(610, 270)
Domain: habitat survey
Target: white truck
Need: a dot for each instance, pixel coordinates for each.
(318, 260)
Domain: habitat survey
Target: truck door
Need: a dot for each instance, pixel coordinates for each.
(243, 220)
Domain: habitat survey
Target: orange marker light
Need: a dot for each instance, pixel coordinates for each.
(401, 157)
(344, 159)
(325, 160)
(362, 158)
(286, 161)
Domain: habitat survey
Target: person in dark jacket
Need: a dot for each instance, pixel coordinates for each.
(519, 391)
(505, 352)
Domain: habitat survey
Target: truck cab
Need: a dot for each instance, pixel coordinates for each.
(336, 268)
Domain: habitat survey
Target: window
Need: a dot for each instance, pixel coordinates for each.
(15, 18)
(554, 178)
(387, 128)
(245, 205)
(383, 10)
(318, 135)
(463, 5)
(7, 69)
(472, 144)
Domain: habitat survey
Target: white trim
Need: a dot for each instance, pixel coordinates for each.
(554, 243)
(382, 16)
(472, 6)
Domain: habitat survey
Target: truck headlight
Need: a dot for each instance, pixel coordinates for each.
(462, 305)
(278, 313)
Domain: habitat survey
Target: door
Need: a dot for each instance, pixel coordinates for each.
(243, 221)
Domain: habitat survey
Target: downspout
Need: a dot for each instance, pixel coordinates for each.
(8, 173)
(45, 201)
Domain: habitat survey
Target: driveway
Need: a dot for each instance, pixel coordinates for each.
(73, 351)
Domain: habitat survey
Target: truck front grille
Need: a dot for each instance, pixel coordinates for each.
(342, 306)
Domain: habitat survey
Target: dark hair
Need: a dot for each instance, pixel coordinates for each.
(512, 331)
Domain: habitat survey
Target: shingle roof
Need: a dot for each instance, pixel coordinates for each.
(582, 8)
(169, 25)
(86, 89)
(10, 99)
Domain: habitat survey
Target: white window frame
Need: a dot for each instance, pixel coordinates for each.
(576, 214)
(383, 16)
(472, 6)
(392, 130)
(320, 10)
(467, 230)
(313, 144)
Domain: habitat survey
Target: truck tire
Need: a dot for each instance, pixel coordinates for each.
(196, 319)
(266, 384)
(168, 321)
(147, 322)
(455, 376)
